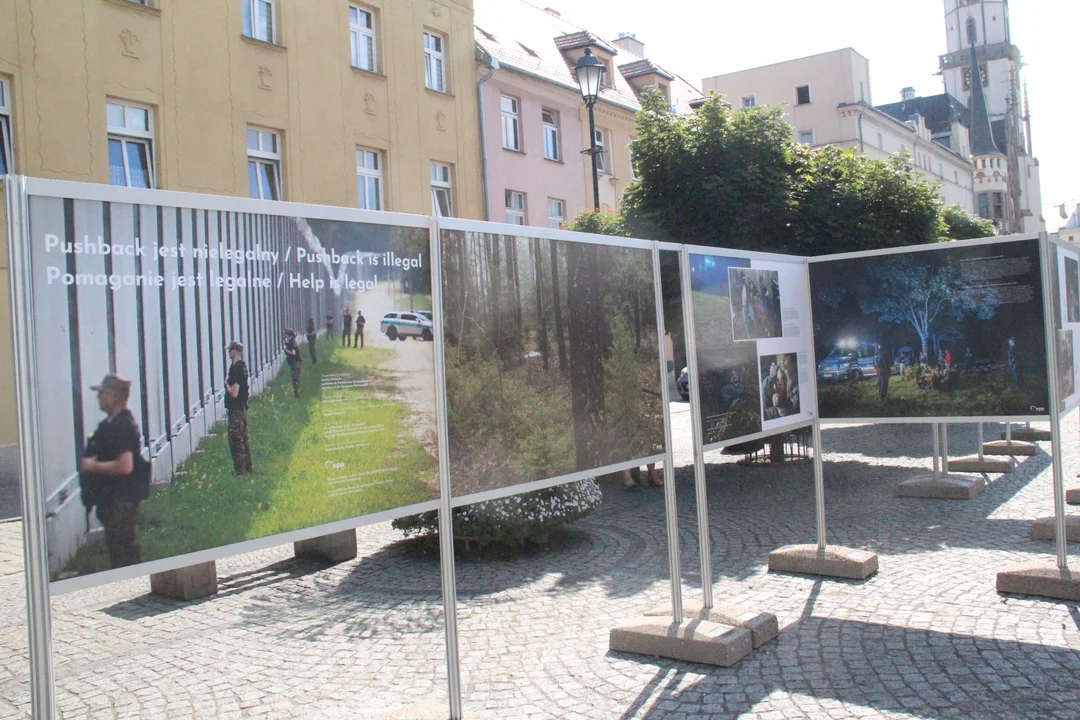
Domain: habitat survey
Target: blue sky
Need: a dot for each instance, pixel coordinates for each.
(901, 38)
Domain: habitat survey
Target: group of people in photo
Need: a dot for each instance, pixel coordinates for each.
(779, 387)
(755, 304)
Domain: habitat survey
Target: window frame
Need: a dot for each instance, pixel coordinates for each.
(7, 150)
(511, 123)
(356, 35)
(798, 95)
(431, 56)
(749, 101)
(551, 132)
(261, 157)
(442, 187)
(364, 173)
(128, 136)
(601, 152)
(253, 17)
(801, 136)
(514, 212)
(561, 218)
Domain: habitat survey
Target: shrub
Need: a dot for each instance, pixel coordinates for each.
(514, 521)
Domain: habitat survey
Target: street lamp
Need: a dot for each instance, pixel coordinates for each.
(589, 72)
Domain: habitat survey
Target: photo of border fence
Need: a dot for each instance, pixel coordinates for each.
(337, 424)
(552, 358)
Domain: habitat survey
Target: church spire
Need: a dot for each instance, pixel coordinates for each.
(982, 137)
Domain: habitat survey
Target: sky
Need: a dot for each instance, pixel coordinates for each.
(901, 38)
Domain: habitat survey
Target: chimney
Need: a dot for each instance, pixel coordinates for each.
(907, 93)
(553, 11)
(630, 43)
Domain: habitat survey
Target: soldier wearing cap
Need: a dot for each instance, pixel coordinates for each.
(295, 360)
(236, 403)
(108, 472)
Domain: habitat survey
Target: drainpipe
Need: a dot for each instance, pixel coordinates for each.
(862, 145)
(493, 65)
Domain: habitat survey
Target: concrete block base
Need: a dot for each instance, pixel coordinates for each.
(187, 583)
(942, 487)
(833, 561)
(1029, 435)
(1043, 528)
(1072, 496)
(1044, 579)
(699, 641)
(988, 464)
(1004, 447)
(763, 626)
(334, 548)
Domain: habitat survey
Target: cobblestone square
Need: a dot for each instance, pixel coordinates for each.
(927, 637)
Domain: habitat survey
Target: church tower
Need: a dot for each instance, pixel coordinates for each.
(980, 50)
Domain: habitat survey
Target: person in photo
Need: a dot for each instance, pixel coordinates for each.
(236, 404)
(1015, 376)
(295, 360)
(312, 340)
(883, 370)
(361, 321)
(346, 327)
(113, 475)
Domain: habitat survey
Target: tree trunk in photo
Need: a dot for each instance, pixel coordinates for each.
(557, 306)
(586, 331)
(512, 266)
(776, 449)
(541, 314)
(637, 318)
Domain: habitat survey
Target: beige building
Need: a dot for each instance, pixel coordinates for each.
(827, 99)
(363, 104)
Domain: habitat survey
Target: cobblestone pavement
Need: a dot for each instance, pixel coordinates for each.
(928, 637)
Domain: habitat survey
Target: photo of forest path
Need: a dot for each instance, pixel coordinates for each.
(552, 358)
(730, 387)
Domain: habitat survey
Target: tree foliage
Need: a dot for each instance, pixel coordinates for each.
(961, 226)
(737, 180)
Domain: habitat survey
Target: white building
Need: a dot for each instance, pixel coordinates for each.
(1070, 231)
(828, 101)
(983, 26)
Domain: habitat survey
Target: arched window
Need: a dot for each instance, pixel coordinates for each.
(972, 32)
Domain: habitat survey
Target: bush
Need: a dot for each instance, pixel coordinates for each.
(514, 521)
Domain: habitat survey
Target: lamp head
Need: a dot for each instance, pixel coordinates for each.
(589, 71)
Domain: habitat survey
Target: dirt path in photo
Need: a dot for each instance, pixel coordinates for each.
(413, 368)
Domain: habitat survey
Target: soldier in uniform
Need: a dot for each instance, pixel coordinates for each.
(236, 403)
(883, 370)
(114, 477)
(346, 327)
(295, 360)
(312, 339)
(360, 322)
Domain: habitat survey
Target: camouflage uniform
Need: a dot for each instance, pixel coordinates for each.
(238, 440)
(120, 517)
(295, 360)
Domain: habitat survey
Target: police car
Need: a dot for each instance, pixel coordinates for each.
(401, 325)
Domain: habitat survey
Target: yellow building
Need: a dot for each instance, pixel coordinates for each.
(362, 104)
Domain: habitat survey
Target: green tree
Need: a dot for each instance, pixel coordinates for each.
(961, 226)
(737, 180)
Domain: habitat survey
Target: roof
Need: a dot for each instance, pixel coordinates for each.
(982, 136)
(900, 124)
(1074, 220)
(638, 68)
(939, 111)
(530, 40)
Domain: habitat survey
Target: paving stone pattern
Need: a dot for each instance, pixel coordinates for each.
(927, 637)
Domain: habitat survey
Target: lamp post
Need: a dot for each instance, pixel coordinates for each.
(589, 72)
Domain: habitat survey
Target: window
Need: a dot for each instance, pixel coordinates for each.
(511, 123)
(434, 62)
(550, 120)
(806, 136)
(749, 101)
(556, 210)
(369, 179)
(601, 152)
(802, 95)
(441, 203)
(260, 19)
(984, 205)
(131, 137)
(264, 164)
(7, 162)
(515, 207)
(362, 38)
(972, 32)
(880, 141)
(998, 206)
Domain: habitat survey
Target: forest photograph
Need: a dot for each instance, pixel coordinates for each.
(727, 369)
(949, 332)
(1072, 289)
(552, 358)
